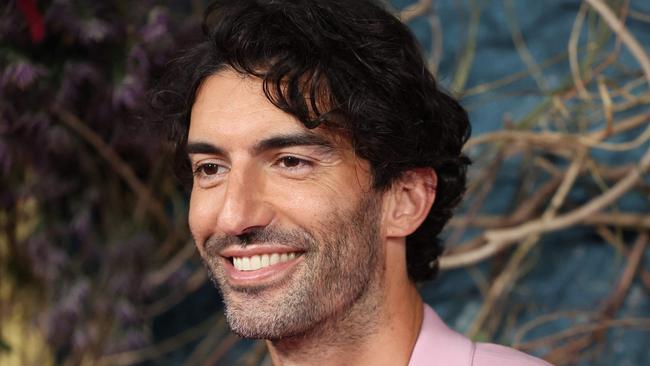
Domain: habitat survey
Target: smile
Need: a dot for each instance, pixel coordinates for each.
(260, 265)
(256, 262)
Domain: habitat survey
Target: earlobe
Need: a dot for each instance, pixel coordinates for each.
(411, 199)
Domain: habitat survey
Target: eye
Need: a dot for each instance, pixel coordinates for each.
(209, 170)
(292, 162)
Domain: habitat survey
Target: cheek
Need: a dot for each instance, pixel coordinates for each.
(304, 202)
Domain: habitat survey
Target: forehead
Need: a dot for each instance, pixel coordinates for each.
(231, 107)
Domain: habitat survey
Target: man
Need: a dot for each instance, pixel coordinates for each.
(324, 162)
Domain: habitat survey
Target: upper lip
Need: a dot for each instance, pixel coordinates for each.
(256, 249)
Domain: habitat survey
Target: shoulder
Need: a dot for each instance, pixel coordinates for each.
(438, 344)
(488, 354)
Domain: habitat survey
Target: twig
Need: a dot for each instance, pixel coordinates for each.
(611, 305)
(415, 10)
(224, 346)
(157, 278)
(497, 240)
(639, 323)
(436, 43)
(119, 166)
(487, 181)
(607, 104)
(563, 190)
(467, 57)
(522, 213)
(613, 56)
(631, 101)
(626, 37)
(640, 16)
(256, 356)
(507, 277)
(557, 139)
(521, 333)
(578, 214)
(522, 48)
(213, 339)
(634, 260)
(633, 221)
(196, 280)
(511, 78)
(573, 54)
(166, 346)
(616, 241)
(621, 126)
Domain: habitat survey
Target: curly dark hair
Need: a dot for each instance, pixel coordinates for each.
(346, 65)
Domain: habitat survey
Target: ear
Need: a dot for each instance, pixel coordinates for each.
(410, 201)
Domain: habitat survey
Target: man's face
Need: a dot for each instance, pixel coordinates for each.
(284, 217)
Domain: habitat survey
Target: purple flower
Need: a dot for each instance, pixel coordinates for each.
(62, 16)
(157, 26)
(75, 74)
(21, 74)
(33, 124)
(46, 259)
(128, 92)
(64, 319)
(126, 312)
(95, 30)
(77, 297)
(138, 61)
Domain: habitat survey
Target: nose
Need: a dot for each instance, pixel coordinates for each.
(243, 206)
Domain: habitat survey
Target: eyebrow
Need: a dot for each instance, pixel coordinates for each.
(203, 148)
(271, 143)
(299, 139)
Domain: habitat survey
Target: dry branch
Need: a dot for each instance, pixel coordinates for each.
(624, 34)
(554, 140)
(497, 240)
(415, 10)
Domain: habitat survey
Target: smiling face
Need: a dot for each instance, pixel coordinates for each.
(284, 217)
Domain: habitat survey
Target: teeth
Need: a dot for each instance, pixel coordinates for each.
(256, 262)
(260, 261)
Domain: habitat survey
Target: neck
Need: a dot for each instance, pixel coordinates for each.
(380, 329)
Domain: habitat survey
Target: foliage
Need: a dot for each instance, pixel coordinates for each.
(84, 226)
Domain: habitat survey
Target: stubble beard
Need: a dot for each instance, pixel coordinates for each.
(336, 289)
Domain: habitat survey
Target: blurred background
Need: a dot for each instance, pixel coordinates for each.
(546, 254)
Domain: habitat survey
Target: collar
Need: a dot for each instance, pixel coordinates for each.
(437, 344)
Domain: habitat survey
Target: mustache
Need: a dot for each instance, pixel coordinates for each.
(298, 239)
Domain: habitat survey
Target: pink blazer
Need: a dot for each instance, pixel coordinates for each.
(437, 344)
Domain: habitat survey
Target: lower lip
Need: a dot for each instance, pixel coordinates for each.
(262, 276)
